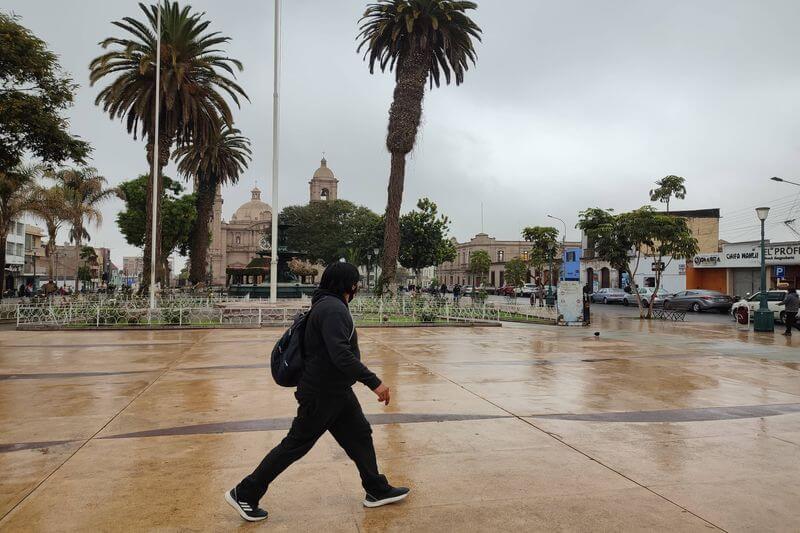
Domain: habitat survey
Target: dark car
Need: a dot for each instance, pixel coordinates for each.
(700, 300)
(608, 296)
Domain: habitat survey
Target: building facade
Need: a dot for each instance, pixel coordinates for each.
(500, 252)
(15, 256)
(36, 269)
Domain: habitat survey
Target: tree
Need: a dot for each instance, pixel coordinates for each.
(624, 239)
(16, 187)
(423, 238)
(192, 106)
(218, 162)
(479, 265)
(84, 274)
(328, 231)
(516, 272)
(420, 40)
(179, 210)
(84, 190)
(667, 187)
(544, 245)
(34, 93)
(50, 206)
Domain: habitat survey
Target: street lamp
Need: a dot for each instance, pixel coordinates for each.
(764, 319)
(776, 178)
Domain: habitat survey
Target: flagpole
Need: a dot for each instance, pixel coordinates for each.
(156, 192)
(273, 265)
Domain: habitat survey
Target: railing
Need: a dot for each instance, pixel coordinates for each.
(199, 312)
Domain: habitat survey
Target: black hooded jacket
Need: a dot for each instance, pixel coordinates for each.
(330, 346)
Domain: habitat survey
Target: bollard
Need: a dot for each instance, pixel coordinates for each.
(17, 314)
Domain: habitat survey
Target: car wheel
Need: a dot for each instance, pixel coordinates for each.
(696, 307)
(605, 301)
(625, 302)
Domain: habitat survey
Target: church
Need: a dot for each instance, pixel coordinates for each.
(234, 243)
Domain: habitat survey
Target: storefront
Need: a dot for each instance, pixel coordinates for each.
(737, 269)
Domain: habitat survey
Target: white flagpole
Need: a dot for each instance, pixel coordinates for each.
(154, 224)
(273, 265)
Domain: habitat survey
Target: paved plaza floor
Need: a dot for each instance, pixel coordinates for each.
(648, 426)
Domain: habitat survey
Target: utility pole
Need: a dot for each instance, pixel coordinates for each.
(273, 263)
(156, 191)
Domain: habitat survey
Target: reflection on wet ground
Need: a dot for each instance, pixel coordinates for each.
(649, 425)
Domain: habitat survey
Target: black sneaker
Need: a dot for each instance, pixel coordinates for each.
(251, 513)
(394, 494)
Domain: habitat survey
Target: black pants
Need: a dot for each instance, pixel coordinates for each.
(343, 417)
(791, 316)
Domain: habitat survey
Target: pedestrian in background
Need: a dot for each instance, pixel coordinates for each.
(791, 302)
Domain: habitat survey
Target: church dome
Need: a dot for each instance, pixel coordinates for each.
(253, 211)
(323, 171)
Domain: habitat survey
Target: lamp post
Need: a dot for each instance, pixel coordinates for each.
(563, 247)
(764, 319)
(377, 252)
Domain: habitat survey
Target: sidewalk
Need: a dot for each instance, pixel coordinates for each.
(659, 426)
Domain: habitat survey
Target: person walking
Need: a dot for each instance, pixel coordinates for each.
(456, 292)
(326, 402)
(792, 305)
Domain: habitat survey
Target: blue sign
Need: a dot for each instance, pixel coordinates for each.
(780, 272)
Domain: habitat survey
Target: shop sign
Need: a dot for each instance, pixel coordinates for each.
(749, 258)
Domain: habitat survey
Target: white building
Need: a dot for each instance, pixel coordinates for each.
(15, 255)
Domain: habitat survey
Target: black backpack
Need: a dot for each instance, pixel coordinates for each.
(287, 355)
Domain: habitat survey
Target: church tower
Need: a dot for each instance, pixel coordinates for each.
(323, 185)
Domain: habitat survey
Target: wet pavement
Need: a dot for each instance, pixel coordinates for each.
(650, 425)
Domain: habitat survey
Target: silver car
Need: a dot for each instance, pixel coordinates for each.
(608, 296)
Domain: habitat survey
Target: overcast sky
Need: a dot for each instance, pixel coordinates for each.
(572, 104)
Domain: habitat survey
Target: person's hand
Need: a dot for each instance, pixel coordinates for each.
(383, 394)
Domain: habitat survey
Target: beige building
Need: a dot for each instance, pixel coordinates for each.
(500, 252)
(234, 243)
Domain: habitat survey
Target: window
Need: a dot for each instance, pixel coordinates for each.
(9, 248)
(525, 255)
(775, 296)
(500, 255)
(20, 229)
(324, 194)
(570, 256)
(29, 242)
(20, 250)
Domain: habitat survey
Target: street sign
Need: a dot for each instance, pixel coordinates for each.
(658, 266)
(780, 272)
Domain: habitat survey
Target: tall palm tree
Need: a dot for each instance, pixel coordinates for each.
(194, 80)
(16, 185)
(84, 191)
(420, 40)
(50, 205)
(218, 162)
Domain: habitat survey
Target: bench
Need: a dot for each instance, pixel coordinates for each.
(669, 314)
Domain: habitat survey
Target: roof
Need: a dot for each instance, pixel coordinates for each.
(697, 213)
(323, 172)
(254, 210)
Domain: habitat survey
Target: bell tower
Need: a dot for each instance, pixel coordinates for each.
(323, 186)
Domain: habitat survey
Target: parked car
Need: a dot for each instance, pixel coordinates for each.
(608, 296)
(752, 302)
(699, 300)
(467, 290)
(507, 290)
(646, 294)
(526, 289)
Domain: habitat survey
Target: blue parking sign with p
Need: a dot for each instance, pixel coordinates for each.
(780, 272)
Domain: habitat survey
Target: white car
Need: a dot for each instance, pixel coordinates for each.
(774, 297)
(646, 295)
(526, 289)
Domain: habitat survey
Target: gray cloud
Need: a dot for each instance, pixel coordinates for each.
(572, 104)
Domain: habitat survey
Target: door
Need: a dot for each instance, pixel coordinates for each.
(746, 280)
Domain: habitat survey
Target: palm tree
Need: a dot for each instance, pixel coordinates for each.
(84, 191)
(420, 40)
(16, 186)
(218, 162)
(667, 187)
(50, 205)
(193, 84)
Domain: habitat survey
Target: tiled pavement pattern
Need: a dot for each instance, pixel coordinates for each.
(647, 427)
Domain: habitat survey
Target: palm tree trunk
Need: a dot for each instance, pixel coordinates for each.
(78, 262)
(164, 144)
(405, 114)
(49, 250)
(3, 240)
(198, 249)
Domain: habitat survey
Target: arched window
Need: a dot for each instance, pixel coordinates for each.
(501, 254)
(324, 193)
